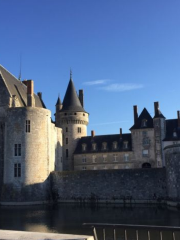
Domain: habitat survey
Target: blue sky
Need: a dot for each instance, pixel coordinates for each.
(122, 53)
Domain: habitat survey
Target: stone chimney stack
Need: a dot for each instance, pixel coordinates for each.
(135, 113)
(156, 108)
(178, 117)
(92, 133)
(24, 82)
(81, 97)
(120, 133)
(30, 93)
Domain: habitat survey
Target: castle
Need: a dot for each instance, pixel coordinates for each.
(32, 145)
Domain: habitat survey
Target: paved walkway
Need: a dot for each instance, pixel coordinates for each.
(20, 235)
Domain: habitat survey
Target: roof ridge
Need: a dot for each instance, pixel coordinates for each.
(10, 73)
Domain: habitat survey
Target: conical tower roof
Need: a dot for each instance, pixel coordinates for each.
(58, 101)
(71, 100)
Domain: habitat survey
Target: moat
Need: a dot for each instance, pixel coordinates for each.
(68, 218)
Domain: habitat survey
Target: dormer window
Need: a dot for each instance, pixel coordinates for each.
(144, 123)
(114, 145)
(174, 133)
(125, 144)
(104, 145)
(94, 146)
(84, 147)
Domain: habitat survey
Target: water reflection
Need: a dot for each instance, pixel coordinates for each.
(68, 218)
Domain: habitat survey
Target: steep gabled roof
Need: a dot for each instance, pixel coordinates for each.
(16, 87)
(71, 100)
(171, 128)
(143, 116)
(109, 139)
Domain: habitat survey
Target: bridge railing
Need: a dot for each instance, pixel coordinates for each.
(161, 231)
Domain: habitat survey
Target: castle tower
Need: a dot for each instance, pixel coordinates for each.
(73, 119)
(159, 134)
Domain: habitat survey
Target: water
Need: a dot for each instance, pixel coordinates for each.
(68, 218)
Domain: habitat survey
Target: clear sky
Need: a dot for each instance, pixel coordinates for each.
(122, 53)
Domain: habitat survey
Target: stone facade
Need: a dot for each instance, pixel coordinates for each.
(30, 144)
(113, 185)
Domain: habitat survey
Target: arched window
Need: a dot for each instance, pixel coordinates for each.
(146, 165)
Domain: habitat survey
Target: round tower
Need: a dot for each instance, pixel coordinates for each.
(73, 119)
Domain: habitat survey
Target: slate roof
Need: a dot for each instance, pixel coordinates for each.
(71, 100)
(58, 101)
(109, 139)
(16, 87)
(144, 115)
(171, 127)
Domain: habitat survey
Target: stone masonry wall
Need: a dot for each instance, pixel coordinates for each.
(132, 184)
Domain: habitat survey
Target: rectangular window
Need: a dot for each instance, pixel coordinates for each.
(145, 153)
(66, 152)
(83, 168)
(79, 130)
(84, 159)
(115, 157)
(66, 140)
(17, 170)
(94, 159)
(66, 129)
(17, 149)
(104, 158)
(28, 126)
(126, 157)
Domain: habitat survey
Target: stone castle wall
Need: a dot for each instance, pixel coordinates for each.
(172, 156)
(132, 184)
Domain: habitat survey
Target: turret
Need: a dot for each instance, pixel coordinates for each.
(73, 119)
(159, 133)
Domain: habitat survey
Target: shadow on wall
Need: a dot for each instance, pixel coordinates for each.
(29, 193)
(58, 157)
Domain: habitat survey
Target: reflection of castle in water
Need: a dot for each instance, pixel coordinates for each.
(69, 218)
(32, 145)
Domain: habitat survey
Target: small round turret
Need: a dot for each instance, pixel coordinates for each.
(73, 119)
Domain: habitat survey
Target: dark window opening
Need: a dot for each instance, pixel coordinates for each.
(146, 165)
(17, 149)
(17, 170)
(66, 152)
(28, 126)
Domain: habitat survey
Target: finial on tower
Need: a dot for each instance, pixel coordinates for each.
(20, 69)
(70, 74)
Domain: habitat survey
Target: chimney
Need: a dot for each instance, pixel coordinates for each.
(39, 95)
(30, 93)
(92, 133)
(24, 82)
(156, 108)
(135, 113)
(178, 117)
(121, 133)
(81, 97)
